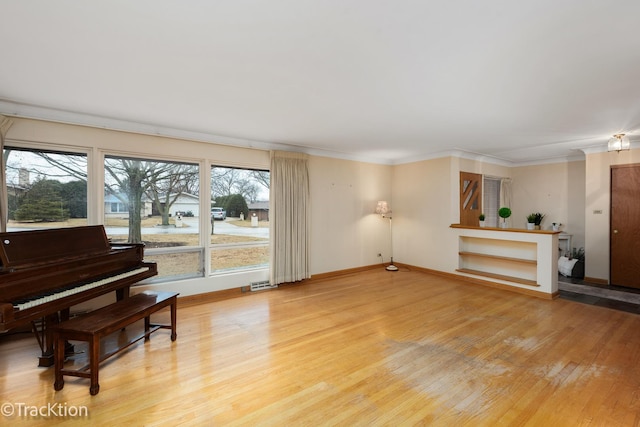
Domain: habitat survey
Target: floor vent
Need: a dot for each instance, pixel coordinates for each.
(259, 286)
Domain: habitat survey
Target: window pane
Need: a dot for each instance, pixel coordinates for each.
(46, 189)
(176, 265)
(491, 201)
(155, 203)
(230, 258)
(239, 219)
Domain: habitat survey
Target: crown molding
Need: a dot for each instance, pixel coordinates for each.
(30, 111)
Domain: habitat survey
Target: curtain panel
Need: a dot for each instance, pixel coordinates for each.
(289, 217)
(5, 124)
(505, 192)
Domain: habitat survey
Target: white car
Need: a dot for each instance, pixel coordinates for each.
(218, 213)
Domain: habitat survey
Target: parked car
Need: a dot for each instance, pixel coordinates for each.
(218, 213)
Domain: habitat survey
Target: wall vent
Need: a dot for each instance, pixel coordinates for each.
(259, 286)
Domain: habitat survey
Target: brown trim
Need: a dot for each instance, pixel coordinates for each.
(626, 165)
(596, 281)
(481, 282)
(237, 292)
(211, 296)
(332, 274)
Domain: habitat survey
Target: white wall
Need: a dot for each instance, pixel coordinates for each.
(556, 190)
(426, 202)
(345, 232)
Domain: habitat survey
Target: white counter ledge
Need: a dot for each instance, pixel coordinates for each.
(525, 260)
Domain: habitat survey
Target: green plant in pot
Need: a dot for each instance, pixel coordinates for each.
(504, 213)
(531, 221)
(481, 218)
(538, 220)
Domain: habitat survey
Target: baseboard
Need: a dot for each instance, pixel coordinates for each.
(316, 278)
(487, 283)
(596, 281)
(238, 292)
(211, 296)
(337, 273)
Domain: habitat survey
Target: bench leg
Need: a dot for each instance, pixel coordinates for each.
(173, 319)
(59, 343)
(94, 362)
(147, 326)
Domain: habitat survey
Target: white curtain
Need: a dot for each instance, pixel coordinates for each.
(289, 217)
(5, 124)
(491, 200)
(505, 192)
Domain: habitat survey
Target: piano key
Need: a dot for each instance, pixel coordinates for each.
(64, 293)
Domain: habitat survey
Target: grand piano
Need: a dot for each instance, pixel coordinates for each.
(43, 273)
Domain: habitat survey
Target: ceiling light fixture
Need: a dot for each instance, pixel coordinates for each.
(619, 142)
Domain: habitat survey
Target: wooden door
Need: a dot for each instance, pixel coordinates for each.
(624, 234)
(470, 198)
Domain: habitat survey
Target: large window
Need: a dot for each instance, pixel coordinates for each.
(240, 235)
(46, 189)
(152, 201)
(155, 203)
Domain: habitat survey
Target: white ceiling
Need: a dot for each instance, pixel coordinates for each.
(382, 81)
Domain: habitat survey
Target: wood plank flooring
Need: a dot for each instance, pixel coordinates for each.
(370, 349)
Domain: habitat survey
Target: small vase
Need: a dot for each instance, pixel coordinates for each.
(482, 223)
(556, 228)
(530, 226)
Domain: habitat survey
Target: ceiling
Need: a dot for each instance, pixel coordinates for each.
(382, 81)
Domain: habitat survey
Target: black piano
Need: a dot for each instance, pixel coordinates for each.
(46, 272)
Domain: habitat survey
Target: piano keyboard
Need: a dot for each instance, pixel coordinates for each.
(67, 292)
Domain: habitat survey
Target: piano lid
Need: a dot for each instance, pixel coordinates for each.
(36, 247)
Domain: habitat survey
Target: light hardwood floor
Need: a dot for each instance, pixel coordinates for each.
(374, 348)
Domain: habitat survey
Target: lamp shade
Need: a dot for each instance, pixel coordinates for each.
(619, 142)
(382, 208)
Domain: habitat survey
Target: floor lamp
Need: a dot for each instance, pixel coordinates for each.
(382, 208)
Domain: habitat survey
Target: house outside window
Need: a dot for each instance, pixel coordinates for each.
(241, 241)
(142, 194)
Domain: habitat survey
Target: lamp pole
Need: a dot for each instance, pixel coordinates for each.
(391, 267)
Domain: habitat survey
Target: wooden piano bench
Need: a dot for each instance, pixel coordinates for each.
(97, 324)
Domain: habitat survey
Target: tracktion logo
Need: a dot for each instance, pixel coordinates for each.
(50, 410)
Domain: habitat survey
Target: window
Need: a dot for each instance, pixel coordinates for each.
(240, 236)
(152, 201)
(491, 200)
(118, 207)
(142, 199)
(46, 189)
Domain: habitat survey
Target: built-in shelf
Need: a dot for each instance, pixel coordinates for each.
(499, 276)
(513, 258)
(499, 257)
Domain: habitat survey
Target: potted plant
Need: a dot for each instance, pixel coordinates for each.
(481, 219)
(538, 220)
(531, 221)
(504, 213)
(555, 226)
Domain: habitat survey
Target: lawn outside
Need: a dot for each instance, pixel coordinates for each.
(181, 263)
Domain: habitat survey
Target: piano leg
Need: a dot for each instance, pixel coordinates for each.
(44, 337)
(122, 293)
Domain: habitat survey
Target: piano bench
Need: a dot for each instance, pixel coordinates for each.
(104, 321)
